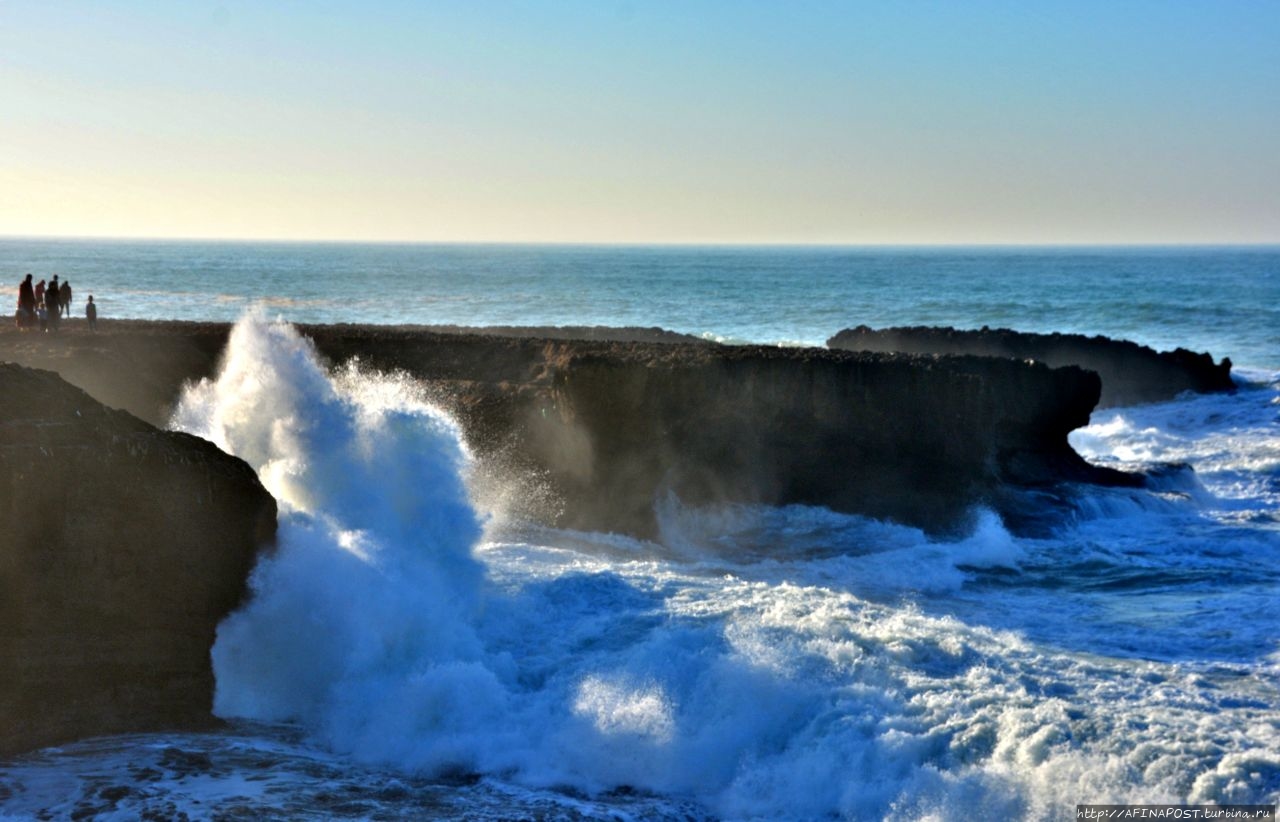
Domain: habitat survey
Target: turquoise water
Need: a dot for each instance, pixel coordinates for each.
(1224, 300)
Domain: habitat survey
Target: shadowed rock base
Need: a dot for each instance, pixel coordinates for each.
(122, 548)
(603, 428)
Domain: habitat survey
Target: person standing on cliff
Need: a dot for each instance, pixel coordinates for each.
(64, 299)
(26, 303)
(40, 293)
(51, 297)
(91, 314)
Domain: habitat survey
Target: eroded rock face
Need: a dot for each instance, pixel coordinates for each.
(612, 426)
(604, 427)
(915, 439)
(122, 548)
(1131, 374)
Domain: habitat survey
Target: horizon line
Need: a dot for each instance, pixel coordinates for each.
(646, 244)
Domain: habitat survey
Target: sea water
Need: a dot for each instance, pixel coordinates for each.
(413, 650)
(1225, 300)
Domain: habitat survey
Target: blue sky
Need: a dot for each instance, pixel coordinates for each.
(888, 122)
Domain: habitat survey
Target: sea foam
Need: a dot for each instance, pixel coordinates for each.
(855, 674)
(360, 619)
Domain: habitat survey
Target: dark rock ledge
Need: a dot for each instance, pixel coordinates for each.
(1131, 374)
(604, 427)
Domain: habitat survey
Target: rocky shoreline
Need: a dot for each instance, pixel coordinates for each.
(611, 423)
(126, 545)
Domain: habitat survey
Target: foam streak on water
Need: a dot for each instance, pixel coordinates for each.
(759, 663)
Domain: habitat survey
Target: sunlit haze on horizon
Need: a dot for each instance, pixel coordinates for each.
(628, 122)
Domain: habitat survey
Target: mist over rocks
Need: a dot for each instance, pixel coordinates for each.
(1132, 374)
(590, 433)
(918, 440)
(123, 547)
(611, 426)
(135, 365)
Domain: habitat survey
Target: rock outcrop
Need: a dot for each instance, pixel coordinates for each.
(603, 428)
(122, 548)
(1131, 374)
(609, 427)
(914, 439)
(600, 333)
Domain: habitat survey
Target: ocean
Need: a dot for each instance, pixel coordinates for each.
(414, 650)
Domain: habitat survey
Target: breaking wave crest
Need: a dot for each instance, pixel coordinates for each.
(360, 623)
(825, 680)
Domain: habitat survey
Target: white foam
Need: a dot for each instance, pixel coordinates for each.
(365, 606)
(779, 663)
(1231, 440)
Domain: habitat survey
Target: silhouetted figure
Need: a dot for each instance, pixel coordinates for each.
(51, 298)
(40, 293)
(42, 314)
(26, 303)
(64, 299)
(26, 294)
(91, 314)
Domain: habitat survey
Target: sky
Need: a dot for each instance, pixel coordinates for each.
(699, 121)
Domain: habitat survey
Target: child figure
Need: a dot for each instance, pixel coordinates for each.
(91, 314)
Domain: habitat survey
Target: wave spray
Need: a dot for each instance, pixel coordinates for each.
(842, 667)
(359, 625)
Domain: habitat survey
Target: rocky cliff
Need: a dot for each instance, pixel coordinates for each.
(914, 439)
(603, 427)
(601, 333)
(1131, 374)
(122, 548)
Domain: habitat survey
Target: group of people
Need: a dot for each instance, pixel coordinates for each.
(47, 305)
